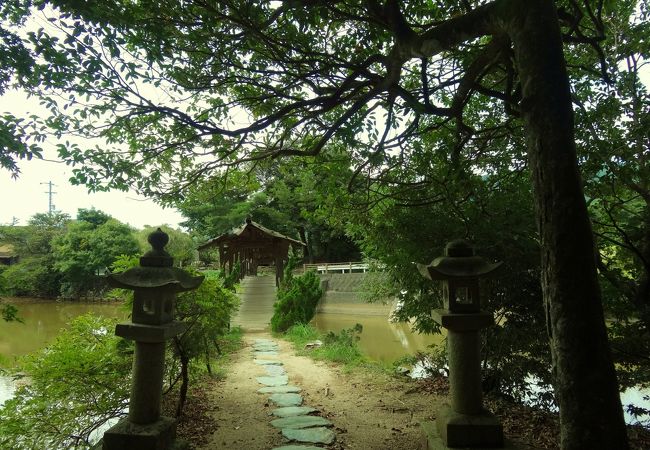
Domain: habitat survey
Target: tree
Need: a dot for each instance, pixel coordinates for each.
(373, 77)
(288, 197)
(180, 246)
(479, 209)
(34, 275)
(87, 248)
(297, 298)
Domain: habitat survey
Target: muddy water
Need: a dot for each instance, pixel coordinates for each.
(43, 320)
(380, 339)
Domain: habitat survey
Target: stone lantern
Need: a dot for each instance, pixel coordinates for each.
(155, 284)
(463, 423)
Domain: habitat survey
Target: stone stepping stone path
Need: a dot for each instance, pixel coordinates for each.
(300, 422)
(295, 421)
(291, 411)
(283, 400)
(298, 447)
(279, 389)
(320, 435)
(281, 380)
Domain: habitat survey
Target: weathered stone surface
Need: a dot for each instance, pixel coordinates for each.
(320, 435)
(275, 371)
(281, 380)
(265, 353)
(264, 341)
(267, 362)
(124, 434)
(297, 447)
(286, 399)
(279, 389)
(299, 422)
(292, 411)
(261, 348)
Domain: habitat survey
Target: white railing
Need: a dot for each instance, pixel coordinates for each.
(343, 267)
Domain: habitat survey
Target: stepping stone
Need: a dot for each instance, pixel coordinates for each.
(275, 371)
(281, 380)
(320, 435)
(266, 348)
(264, 341)
(292, 411)
(300, 422)
(297, 447)
(267, 362)
(279, 390)
(286, 399)
(265, 353)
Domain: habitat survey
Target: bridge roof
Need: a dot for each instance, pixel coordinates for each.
(250, 234)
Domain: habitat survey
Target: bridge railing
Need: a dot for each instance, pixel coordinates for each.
(341, 267)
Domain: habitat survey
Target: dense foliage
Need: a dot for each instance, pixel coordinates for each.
(288, 197)
(75, 385)
(86, 250)
(82, 380)
(297, 298)
(34, 274)
(60, 257)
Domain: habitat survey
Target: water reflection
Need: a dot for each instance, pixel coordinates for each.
(7, 388)
(380, 340)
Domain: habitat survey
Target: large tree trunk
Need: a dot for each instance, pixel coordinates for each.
(585, 381)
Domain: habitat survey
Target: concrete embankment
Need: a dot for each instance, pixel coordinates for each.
(342, 295)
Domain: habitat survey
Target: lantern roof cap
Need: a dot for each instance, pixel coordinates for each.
(155, 270)
(459, 262)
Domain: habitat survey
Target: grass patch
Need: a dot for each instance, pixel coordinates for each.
(341, 348)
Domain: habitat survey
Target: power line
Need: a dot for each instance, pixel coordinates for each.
(50, 192)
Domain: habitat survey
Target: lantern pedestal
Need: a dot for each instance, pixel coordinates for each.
(145, 429)
(160, 434)
(464, 423)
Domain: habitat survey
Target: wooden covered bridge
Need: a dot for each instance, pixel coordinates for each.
(252, 245)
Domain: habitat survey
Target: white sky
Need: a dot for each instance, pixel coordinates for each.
(26, 196)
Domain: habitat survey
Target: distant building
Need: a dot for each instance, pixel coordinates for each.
(7, 255)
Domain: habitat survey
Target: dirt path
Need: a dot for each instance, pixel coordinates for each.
(368, 411)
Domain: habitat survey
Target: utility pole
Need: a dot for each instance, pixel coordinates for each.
(50, 192)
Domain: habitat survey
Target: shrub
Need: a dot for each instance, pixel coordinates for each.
(76, 384)
(297, 300)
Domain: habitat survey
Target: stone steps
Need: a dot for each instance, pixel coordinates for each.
(257, 295)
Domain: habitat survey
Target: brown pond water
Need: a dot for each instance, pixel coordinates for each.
(380, 340)
(43, 320)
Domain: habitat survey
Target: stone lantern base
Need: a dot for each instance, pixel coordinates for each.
(464, 430)
(154, 436)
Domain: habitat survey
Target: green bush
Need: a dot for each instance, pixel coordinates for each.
(74, 386)
(297, 300)
(33, 276)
